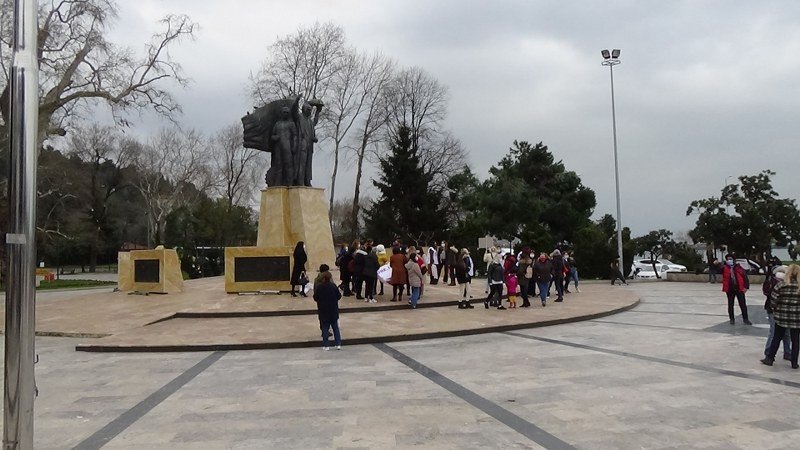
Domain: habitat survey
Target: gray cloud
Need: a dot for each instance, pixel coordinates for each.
(705, 90)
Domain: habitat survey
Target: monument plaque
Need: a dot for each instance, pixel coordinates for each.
(147, 271)
(261, 268)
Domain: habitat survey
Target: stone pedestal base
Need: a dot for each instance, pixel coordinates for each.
(165, 278)
(292, 214)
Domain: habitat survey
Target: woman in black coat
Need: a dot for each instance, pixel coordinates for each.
(299, 269)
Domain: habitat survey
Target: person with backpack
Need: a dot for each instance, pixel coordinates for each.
(572, 273)
(735, 285)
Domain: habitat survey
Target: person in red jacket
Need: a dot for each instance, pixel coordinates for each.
(735, 284)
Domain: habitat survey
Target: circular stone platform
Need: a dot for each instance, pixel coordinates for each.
(204, 317)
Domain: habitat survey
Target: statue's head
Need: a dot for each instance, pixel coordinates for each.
(285, 112)
(306, 109)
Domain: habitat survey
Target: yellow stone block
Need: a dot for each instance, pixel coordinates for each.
(292, 214)
(124, 271)
(259, 268)
(166, 278)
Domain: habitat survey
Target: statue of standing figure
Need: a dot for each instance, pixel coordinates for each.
(286, 129)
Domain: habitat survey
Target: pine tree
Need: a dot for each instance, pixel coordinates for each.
(406, 207)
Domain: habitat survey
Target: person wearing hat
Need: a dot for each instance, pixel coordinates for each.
(464, 273)
(785, 304)
(774, 278)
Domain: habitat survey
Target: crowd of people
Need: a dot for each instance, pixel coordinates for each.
(366, 268)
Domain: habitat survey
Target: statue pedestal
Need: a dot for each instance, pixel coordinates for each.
(157, 270)
(297, 213)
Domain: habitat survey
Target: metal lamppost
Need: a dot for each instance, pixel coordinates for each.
(18, 389)
(611, 59)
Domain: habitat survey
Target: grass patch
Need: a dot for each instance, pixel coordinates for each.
(73, 284)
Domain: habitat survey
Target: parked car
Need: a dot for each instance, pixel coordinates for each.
(647, 265)
(648, 274)
(749, 266)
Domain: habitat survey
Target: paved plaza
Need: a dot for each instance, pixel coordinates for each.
(670, 373)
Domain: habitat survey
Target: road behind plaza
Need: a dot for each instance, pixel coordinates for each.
(670, 373)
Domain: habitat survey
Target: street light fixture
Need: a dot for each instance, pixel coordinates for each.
(611, 59)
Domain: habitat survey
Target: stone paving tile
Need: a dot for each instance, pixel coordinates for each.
(644, 397)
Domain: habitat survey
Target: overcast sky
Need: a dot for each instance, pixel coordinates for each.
(705, 90)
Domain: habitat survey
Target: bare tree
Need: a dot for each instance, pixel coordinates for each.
(236, 168)
(417, 101)
(442, 157)
(377, 75)
(303, 63)
(79, 65)
(173, 171)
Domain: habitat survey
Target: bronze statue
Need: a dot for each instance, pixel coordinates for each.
(285, 129)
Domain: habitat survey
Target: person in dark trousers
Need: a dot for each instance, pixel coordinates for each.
(773, 278)
(524, 277)
(785, 304)
(327, 296)
(346, 276)
(713, 269)
(616, 273)
(495, 298)
(359, 259)
(735, 285)
(299, 269)
(370, 274)
(558, 274)
(452, 260)
(543, 272)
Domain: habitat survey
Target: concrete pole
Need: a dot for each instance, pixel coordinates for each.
(19, 383)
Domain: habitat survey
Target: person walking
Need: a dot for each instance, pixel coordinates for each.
(713, 268)
(773, 278)
(616, 273)
(433, 263)
(299, 269)
(572, 274)
(785, 303)
(399, 274)
(735, 285)
(452, 260)
(543, 272)
(414, 278)
(359, 258)
(327, 296)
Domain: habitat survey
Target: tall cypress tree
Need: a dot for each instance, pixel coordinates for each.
(406, 207)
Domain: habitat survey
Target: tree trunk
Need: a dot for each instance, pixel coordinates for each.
(333, 179)
(357, 192)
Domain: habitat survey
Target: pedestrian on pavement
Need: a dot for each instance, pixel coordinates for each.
(558, 274)
(299, 277)
(735, 285)
(525, 277)
(572, 274)
(543, 272)
(399, 274)
(370, 274)
(383, 259)
(772, 279)
(327, 296)
(464, 273)
(785, 303)
(495, 277)
(616, 273)
(713, 269)
(414, 278)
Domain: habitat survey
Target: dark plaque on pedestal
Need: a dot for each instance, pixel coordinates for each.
(261, 268)
(146, 271)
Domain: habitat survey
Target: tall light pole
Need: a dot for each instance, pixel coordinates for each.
(19, 387)
(611, 59)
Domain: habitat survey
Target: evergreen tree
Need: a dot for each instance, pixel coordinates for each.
(405, 207)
